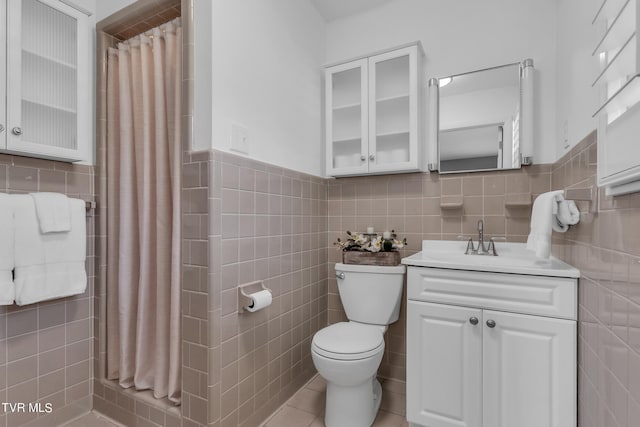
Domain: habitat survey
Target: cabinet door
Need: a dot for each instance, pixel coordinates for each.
(393, 111)
(48, 74)
(444, 359)
(3, 76)
(346, 116)
(529, 371)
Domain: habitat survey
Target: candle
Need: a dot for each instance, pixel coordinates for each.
(386, 235)
(369, 230)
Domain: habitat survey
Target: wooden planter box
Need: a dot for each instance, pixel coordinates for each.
(371, 258)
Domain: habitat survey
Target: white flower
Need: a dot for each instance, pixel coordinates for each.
(342, 244)
(360, 239)
(397, 244)
(376, 245)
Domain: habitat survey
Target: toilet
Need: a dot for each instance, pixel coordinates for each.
(347, 354)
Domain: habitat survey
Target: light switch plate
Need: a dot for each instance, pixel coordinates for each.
(239, 138)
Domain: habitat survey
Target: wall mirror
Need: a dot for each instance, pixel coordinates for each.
(482, 116)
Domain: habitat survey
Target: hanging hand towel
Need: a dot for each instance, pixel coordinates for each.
(7, 292)
(543, 216)
(52, 265)
(568, 213)
(53, 212)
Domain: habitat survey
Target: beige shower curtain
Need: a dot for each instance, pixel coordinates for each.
(143, 203)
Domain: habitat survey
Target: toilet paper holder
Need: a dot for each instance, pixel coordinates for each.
(244, 298)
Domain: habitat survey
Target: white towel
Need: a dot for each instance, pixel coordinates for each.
(568, 213)
(7, 290)
(543, 216)
(53, 210)
(52, 265)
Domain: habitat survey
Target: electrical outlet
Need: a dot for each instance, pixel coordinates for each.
(239, 138)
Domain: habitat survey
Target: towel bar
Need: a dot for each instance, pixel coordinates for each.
(589, 194)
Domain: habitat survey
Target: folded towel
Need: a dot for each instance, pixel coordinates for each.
(7, 292)
(543, 216)
(52, 265)
(53, 212)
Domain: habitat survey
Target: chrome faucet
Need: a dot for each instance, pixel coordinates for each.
(482, 249)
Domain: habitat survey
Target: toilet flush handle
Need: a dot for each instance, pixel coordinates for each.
(340, 275)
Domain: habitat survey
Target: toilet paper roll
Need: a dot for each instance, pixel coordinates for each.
(259, 300)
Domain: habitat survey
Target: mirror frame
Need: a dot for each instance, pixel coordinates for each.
(526, 75)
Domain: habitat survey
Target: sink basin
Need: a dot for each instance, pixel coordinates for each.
(512, 258)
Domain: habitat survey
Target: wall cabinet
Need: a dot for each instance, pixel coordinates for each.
(372, 110)
(472, 366)
(617, 51)
(45, 80)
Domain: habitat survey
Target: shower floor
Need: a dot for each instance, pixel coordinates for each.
(306, 407)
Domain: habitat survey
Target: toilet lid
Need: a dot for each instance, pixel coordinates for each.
(347, 340)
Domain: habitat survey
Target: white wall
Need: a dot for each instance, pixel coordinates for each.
(576, 71)
(267, 76)
(464, 35)
(202, 79)
(105, 8)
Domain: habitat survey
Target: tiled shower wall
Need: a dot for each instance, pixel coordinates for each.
(266, 223)
(605, 246)
(46, 349)
(410, 204)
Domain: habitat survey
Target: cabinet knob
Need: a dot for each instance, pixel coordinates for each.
(372, 157)
(491, 323)
(473, 320)
(17, 130)
(363, 158)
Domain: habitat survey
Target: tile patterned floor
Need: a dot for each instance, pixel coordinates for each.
(306, 407)
(93, 419)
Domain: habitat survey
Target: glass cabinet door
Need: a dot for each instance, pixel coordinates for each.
(346, 115)
(393, 108)
(45, 69)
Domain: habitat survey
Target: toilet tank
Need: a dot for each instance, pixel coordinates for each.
(370, 293)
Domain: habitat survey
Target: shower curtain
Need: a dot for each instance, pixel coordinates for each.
(143, 211)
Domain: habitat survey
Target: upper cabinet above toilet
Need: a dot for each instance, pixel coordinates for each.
(47, 84)
(373, 113)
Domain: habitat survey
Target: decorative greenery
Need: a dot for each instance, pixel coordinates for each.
(364, 242)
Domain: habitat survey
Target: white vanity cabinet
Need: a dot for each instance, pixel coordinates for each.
(372, 114)
(45, 80)
(488, 349)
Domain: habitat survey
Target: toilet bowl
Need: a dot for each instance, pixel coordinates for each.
(347, 354)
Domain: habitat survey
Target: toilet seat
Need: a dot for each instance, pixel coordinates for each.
(348, 341)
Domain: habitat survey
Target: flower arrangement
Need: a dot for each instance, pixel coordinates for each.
(366, 242)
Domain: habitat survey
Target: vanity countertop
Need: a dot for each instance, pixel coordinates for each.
(512, 258)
